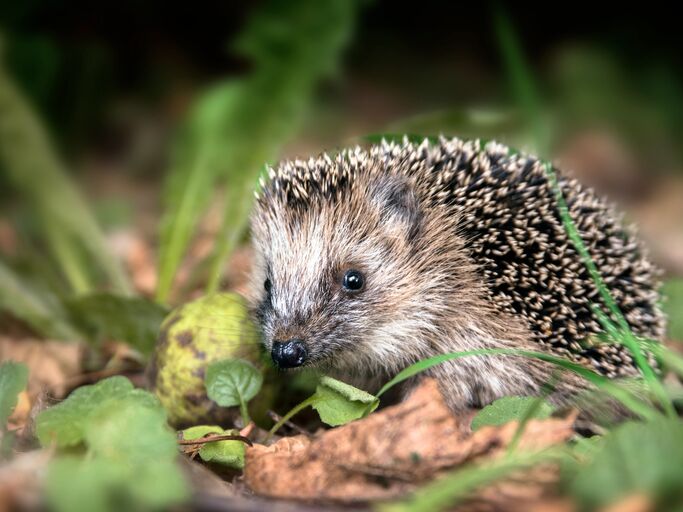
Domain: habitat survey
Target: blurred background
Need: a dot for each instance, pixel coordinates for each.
(132, 134)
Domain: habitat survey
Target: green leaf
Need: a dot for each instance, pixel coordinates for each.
(229, 453)
(13, 380)
(510, 408)
(521, 78)
(130, 462)
(81, 485)
(635, 458)
(446, 492)
(232, 382)
(673, 307)
(339, 403)
(106, 316)
(131, 427)
(65, 423)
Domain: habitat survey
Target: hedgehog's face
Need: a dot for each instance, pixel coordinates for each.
(331, 277)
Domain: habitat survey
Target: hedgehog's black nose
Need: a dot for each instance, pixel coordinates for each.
(289, 354)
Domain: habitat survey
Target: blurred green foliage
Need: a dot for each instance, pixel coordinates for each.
(66, 424)
(33, 169)
(588, 87)
(635, 458)
(105, 316)
(238, 126)
(128, 450)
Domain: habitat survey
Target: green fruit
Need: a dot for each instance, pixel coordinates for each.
(193, 336)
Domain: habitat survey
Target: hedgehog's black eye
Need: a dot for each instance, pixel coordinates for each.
(267, 285)
(353, 281)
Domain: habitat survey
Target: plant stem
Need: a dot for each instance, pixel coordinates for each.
(296, 409)
(244, 412)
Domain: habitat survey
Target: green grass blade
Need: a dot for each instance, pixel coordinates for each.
(196, 165)
(35, 171)
(448, 491)
(521, 79)
(671, 359)
(624, 336)
(527, 95)
(70, 260)
(241, 125)
(531, 413)
(622, 395)
(275, 99)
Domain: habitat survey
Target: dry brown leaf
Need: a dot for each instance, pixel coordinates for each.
(50, 363)
(388, 453)
(21, 412)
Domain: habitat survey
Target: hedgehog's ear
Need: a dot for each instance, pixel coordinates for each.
(397, 202)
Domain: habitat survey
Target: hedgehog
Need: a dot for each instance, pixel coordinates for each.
(372, 259)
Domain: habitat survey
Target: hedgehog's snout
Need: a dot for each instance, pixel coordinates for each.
(289, 354)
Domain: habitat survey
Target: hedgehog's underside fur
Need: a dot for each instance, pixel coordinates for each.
(508, 217)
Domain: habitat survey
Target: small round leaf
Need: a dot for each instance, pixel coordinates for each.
(232, 382)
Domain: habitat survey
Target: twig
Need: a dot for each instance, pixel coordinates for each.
(210, 438)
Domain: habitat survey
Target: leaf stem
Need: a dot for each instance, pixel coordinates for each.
(244, 411)
(295, 410)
